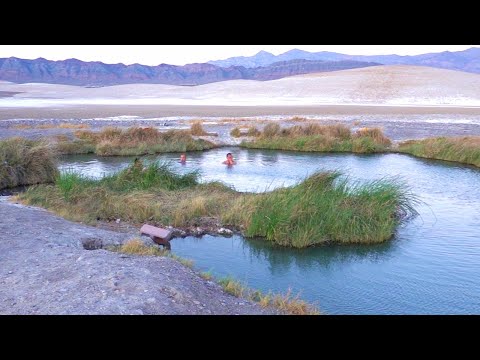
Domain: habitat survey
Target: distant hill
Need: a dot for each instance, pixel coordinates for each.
(467, 60)
(76, 72)
(389, 85)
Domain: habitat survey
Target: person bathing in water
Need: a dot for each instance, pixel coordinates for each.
(183, 159)
(229, 160)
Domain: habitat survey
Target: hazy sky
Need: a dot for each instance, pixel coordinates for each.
(185, 54)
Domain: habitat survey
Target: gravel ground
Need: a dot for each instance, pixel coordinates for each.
(45, 269)
(398, 123)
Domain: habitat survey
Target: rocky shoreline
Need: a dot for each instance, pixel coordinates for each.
(47, 269)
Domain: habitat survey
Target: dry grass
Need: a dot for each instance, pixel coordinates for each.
(26, 162)
(136, 141)
(206, 275)
(287, 303)
(196, 129)
(375, 133)
(46, 126)
(23, 127)
(292, 305)
(137, 247)
(297, 119)
(73, 126)
(253, 131)
(232, 287)
(185, 262)
(191, 208)
(250, 131)
(236, 132)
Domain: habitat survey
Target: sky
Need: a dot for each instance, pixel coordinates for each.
(186, 54)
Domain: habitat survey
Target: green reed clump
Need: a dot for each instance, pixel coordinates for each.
(154, 175)
(324, 208)
(320, 138)
(134, 141)
(464, 150)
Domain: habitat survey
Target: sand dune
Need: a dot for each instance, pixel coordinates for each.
(381, 85)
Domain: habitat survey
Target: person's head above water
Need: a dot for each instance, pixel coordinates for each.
(183, 158)
(229, 160)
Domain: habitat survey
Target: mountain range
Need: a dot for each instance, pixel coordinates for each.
(76, 72)
(467, 60)
(262, 66)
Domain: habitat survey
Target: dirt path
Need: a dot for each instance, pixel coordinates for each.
(44, 269)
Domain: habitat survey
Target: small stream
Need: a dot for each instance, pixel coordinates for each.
(431, 266)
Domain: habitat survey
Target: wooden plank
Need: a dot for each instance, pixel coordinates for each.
(157, 232)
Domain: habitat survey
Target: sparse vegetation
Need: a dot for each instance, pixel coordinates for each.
(197, 129)
(297, 119)
(206, 275)
(319, 138)
(464, 150)
(253, 131)
(236, 132)
(137, 247)
(26, 162)
(249, 131)
(287, 304)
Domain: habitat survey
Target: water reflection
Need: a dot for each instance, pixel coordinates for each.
(282, 259)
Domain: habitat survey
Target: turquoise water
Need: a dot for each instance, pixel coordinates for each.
(431, 266)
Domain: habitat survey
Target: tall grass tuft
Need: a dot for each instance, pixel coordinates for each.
(136, 141)
(236, 132)
(465, 150)
(319, 138)
(70, 183)
(158, 175)
(249, 131)
(324, 208)
(376, 134)
(26, 162)
(197, 129)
